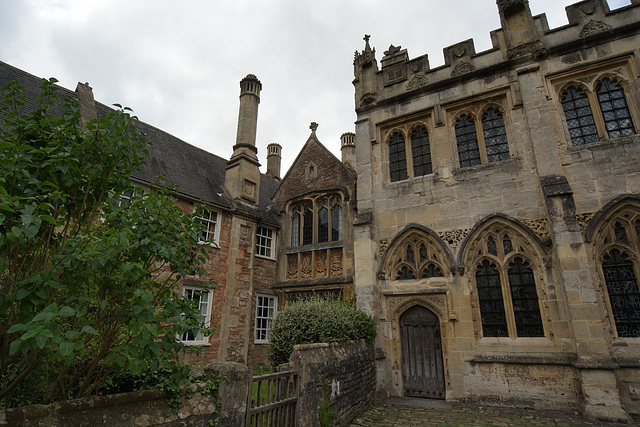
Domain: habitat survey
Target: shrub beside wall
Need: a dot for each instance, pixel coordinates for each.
(317, 321)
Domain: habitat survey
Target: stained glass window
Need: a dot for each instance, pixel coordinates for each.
(615, 110)
(495, 136)
(467, 141)
(577, 111)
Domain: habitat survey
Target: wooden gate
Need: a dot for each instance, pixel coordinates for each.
(273, 400)
(422, 369)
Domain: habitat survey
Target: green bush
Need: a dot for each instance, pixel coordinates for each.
(315, 321)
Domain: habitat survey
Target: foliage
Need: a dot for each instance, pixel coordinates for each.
(88, 287)
(325, 415)
(317, 320)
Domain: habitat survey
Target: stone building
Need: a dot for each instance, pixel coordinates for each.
(486, 212)
(497, 232)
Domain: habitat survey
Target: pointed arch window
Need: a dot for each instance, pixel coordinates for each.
(482, 143)
(417, 256)
(495, 136)
(397, 157)
(410, 156)
(619, 249)
(506, 285)
(467, 140)
(577, 111)
(615, 111)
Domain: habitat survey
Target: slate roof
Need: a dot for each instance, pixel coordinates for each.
(197, 173)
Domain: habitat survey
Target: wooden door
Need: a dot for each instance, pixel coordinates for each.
(422, 369)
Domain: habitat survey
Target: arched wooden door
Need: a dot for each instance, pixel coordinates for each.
(422, 369)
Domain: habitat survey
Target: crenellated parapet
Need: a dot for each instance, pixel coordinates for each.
(521, 39)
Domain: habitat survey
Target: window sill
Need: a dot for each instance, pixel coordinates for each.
(603, 144)
(213, 244)
(196, 344)
(265, 257)
(506, 164)
(261, 342)
(316, 247)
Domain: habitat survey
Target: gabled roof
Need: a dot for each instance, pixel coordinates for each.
(197, 173)
(332, 173)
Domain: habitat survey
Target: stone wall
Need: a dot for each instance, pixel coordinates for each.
(142, 408)
(344, 373)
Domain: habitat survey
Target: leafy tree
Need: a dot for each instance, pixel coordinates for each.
(88, 287)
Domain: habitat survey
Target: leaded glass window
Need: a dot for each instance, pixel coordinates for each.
(323, 221)
(624, 295)
(494, 319)
(495, 136)
(421, 152)
(295, 229)
(524, 298)
(318, 220)
(336, 219)
(577, 111)
(615, 111)
(467, 141)
(397, 157)
(307, 226)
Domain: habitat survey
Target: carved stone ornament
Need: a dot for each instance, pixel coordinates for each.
(392, 50)
(382, 246)
(462, 68)
(539, 226)
(417, 82)
(305, 270)
(584, 219)
(454, 237)
(503, 4)
(292, 267)
(594, 27)
(368, 55)
(336, 263)
(535, 49)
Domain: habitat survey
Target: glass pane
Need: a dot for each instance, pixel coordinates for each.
(421, 152)
(492, 313)
(624, 295)
(495, 136)
(397, 157)
(524, 298)
(614, 109)
(579, 116)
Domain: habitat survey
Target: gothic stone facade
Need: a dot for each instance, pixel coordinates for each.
(498, 227)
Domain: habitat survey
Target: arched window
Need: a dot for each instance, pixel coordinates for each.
(619, 253)
(421, 152)
(495, 136)
(416, 256)
(615, 110)
(505, 283)
(397, 157)
(318, 220)
(577, 112)
(467, 141)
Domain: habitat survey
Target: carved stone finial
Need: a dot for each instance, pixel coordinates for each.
(313, 127)
(392, 50)
(366, 37)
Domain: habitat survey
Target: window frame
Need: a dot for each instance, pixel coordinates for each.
(402, 138)
(207, 317)
(270, 243)
(269, 319)
(304, 220)
(212, 238)
(476, 116)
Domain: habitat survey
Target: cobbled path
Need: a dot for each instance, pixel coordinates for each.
(413, 413)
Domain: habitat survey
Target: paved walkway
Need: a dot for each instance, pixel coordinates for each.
(408, 412)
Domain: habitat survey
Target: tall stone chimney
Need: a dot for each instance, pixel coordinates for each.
(274, 158)
(87, 103)
(348, 148)
(242, 178)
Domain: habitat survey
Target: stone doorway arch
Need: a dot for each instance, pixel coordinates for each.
(421, 343)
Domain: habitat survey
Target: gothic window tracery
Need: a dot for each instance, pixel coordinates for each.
(505, 282)
(619, 255)
(417, 256)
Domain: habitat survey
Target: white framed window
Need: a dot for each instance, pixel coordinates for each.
(266, 307)
(211, 220)
(265, 242)
(202, 299)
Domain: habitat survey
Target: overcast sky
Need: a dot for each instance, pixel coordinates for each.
(178, 63)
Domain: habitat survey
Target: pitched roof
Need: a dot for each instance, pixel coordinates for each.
(197, 173)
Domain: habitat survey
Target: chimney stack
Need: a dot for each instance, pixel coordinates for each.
(242, 177)
(274, 157)
(348, 148)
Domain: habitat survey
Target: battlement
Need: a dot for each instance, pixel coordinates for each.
(522, 39)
